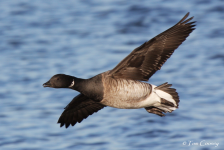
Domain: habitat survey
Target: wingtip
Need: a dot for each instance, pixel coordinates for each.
(67, 125)
(61, 125)
(187, 14)
(185, 17)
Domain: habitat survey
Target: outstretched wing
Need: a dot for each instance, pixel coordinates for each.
(78, 109)
(146, 59)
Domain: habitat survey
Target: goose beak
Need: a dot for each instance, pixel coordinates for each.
(47, 84)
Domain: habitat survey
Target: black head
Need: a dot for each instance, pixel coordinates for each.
(60, 81)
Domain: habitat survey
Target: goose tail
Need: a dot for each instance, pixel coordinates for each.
(167, 99)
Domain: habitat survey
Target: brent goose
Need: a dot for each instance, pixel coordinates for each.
(121, 87)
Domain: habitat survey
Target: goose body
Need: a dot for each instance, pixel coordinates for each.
(121, 93)
(121, 87)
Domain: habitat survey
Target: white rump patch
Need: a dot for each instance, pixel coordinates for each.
(166, 96)
(72, 84)
(154, 99)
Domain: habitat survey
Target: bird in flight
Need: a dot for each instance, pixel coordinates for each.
(121, 87)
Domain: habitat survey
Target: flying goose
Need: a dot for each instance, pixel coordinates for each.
(121, 87)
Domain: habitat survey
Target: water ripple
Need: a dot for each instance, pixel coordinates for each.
(83, 38)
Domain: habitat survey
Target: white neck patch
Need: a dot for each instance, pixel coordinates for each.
(72, 84)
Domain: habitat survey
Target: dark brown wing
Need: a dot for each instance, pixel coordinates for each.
(78, 109)
(145, 60)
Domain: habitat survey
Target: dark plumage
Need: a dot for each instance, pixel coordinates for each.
(78, 109)
(151, 55)
(121, 87)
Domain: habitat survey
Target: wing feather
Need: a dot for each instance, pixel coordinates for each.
(78, 109)
(146, 59)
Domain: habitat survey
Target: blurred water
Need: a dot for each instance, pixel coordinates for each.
(83, 38)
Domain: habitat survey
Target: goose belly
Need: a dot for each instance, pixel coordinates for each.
(126, 94)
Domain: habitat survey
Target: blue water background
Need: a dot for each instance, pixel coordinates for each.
(40, 38)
